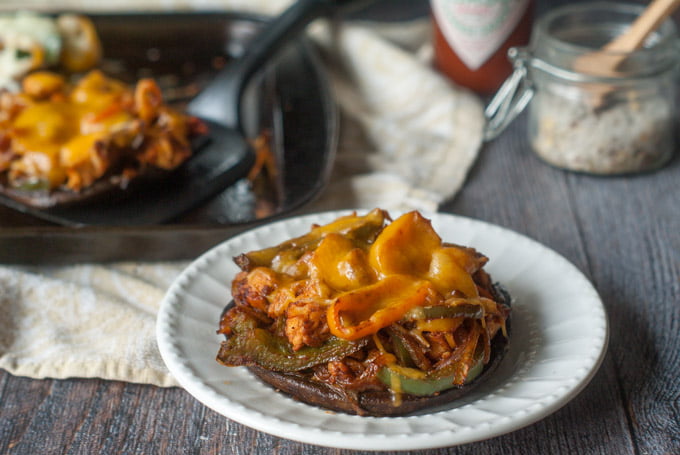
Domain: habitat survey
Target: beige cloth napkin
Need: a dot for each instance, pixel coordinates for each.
(407, 141)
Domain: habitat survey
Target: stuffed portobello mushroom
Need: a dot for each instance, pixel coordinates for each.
(367, 316)
(69, 133)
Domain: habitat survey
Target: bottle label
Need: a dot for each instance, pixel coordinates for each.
(476, 29)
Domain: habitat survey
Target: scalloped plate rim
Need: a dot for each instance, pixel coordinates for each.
(289, 419)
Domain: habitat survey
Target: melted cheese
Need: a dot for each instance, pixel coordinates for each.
(66, 128)
(61, 135)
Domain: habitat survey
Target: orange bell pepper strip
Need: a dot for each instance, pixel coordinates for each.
(447, 274)
(405, 246)
(410, 245)
(356, 314)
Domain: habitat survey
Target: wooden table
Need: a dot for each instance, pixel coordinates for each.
(622, 232)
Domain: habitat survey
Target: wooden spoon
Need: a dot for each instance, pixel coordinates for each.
(606, 61)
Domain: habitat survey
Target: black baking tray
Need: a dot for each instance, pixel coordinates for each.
(182, 50)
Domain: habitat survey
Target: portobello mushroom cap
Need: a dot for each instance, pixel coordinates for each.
(380, 403)
(373, 403)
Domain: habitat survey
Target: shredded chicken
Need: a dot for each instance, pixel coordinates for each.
(306, 324)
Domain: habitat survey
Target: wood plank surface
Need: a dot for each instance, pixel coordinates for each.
(623, 233)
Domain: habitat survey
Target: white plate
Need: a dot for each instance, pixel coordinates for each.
(559, 339)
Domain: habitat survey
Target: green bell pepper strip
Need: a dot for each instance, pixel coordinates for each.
(407, 354)
(33, 185)
(401, 350)
(361, 229)
(249, 345)
(404, 355)
(434, 382)
(466, 310)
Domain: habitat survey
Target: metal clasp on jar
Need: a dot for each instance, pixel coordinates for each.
(512, 97)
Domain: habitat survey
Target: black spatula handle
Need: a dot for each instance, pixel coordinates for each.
(220, 101)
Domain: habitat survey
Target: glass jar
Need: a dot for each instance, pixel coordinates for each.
(619, 123)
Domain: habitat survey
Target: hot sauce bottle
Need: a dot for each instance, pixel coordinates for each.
(472, 38)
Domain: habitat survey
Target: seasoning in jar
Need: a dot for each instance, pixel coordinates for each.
(571, 125)
(472, 37)
(622, 136)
